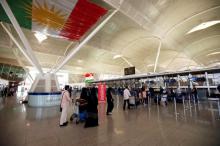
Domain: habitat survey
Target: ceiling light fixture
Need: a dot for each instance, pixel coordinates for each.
(150, 65)
(79, 61)
(215, 64)
(203, 26)
(117, 56)
(40, 36)
(214, 53)
(79, 68)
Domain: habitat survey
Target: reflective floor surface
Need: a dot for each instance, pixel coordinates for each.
(181, 125)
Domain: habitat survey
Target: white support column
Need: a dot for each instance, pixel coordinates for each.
(190, 81)
(178, 78)
(157, 57)
(165, 83)
(21, 35)
(81, 44)
(207, 82)
(48, 82)
(21, 64)
(20, 48)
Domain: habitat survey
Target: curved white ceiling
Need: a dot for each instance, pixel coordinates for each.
(135, 32)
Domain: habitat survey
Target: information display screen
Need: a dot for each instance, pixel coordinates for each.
(129, 71)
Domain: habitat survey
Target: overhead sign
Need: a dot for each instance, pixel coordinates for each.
(129, 71)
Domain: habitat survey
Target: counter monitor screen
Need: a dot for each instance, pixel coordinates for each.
(129, 71)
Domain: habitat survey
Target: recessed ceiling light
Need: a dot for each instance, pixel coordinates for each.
(79, 68)
(79, 61)
(203, 26)
(214, 53)
(117, 56)
(40, 36)
(150, 65)
(213, 64)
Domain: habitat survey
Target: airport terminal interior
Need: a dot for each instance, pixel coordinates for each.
(110, 72)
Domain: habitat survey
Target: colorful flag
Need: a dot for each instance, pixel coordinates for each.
(69, 19)
(89, 77)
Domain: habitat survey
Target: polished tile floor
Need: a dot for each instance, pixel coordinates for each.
(180, 125)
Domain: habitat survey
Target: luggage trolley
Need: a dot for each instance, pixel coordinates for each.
(79, 111)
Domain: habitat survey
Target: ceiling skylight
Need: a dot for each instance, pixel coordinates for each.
(79, 61)
(79, 68)
(214, 53)
(117, 56)
(40, 36)
(203, 26)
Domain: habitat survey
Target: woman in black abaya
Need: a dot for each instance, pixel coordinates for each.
(92, 111)
(109, 101)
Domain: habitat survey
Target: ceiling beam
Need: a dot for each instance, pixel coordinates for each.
(15, 52)
(18, 45)
(81, 44)
(186, 20)
(158, 54)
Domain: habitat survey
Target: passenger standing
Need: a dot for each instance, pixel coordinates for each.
(164, 96)
(126, 94)
(151, 91)
(144, 95)
(140, 96)
(189, 92)
(92, 111)
(84, 94)
(110, 101)
(195, 94)
(65, 101)
(84, 98)
(6, 91)
(161, 90)
(172, 94)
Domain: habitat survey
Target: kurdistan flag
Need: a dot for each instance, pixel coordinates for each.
(89, 77)
(69, 19)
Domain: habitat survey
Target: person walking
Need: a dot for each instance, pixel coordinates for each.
(126, 94)
(195, 93)
(65, 101)
(92, 110)
(110, 101)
